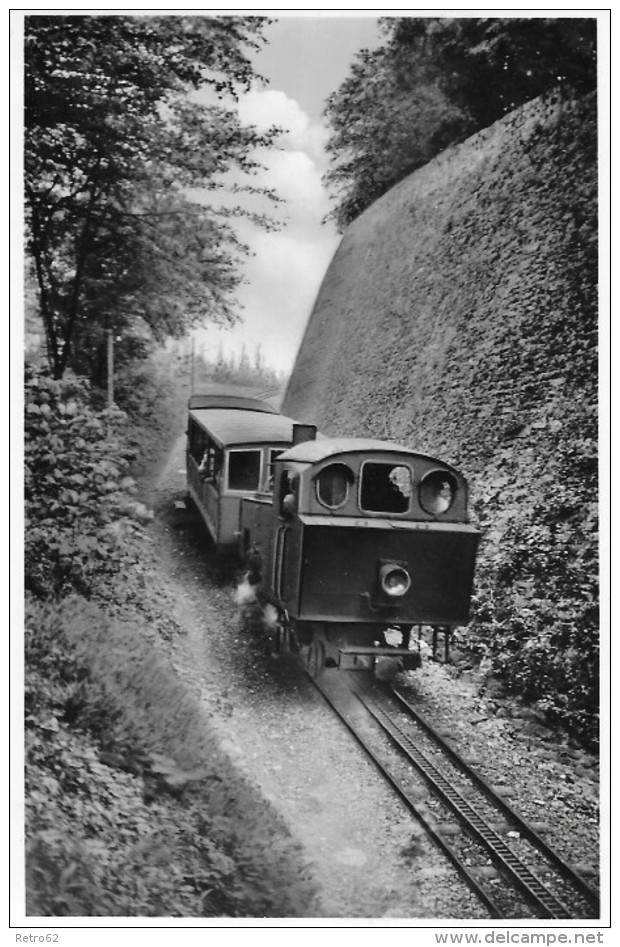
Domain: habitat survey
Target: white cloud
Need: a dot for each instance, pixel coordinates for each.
(293, 168)
(268, 107)
(296, 179)
(285, 272)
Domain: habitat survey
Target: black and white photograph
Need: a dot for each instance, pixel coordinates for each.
(309, 504)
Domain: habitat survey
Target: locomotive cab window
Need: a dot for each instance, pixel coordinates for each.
(274, 453)
(437, 492)
(289, 493)
(385, 488)
(244, 469)
(332, 485)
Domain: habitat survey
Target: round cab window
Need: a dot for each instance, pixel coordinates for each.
(332, 485)
(437, 492)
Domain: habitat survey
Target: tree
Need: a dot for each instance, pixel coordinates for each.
(491, 66)
(436, 81)
(386, 121)
(115, 146)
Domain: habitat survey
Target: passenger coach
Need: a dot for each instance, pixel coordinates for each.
(232, 443)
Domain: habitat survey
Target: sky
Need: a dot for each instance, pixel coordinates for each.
(307, 58)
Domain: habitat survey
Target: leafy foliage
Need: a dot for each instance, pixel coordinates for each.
(131, 809)
(536, 616)
(384, 125)
(436, 81)
(81, 509)
(114, 145)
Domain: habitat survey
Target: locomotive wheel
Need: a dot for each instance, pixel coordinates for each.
(282, 635)
(304, 632)
(293, 641)
(315, 658)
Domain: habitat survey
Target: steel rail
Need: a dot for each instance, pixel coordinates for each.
(524, 879)
(567, 871)
(401, 791)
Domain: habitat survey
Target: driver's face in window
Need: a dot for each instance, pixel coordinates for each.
(386, 487)
(290, 490)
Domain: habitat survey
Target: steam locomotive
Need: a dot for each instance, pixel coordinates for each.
(355, 542)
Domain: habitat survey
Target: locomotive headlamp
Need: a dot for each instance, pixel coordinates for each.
(437, 492)
(394, 580)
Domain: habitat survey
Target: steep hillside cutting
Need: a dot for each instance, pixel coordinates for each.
(459, 317)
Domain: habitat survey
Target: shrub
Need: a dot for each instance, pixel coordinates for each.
(535, 614)
(80, 502)
(132, 809)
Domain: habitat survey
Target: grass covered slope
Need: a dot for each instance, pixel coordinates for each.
(459, 316)
(132, 807)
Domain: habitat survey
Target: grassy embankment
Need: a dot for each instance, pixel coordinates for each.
(131, 807)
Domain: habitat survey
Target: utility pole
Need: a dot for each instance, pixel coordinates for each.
(110, 368)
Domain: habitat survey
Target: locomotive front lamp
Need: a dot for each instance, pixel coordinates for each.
(394, 580)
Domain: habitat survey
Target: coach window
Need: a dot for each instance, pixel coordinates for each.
(385, 488)
(244, 469)
(211, 462)
(332, 485)
(197, 439)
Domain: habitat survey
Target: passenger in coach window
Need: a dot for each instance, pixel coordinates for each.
(204, 465)
(209, 466)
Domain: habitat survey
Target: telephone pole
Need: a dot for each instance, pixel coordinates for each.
(110, 368)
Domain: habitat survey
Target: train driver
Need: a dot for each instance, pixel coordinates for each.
(290, 491)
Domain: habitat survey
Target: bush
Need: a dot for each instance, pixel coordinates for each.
(132, 809)
(80, 502)
(535, 614)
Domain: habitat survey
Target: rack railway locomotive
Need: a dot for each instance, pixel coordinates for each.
(354, 541)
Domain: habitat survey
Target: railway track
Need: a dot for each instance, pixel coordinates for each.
(502, 858)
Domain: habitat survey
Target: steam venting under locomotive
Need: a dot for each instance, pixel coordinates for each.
(353, 541)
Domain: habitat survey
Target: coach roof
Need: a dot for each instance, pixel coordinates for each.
(214, 399)
(241, 426)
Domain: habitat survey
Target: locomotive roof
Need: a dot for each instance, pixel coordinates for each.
(313, 451)
(244, 426)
